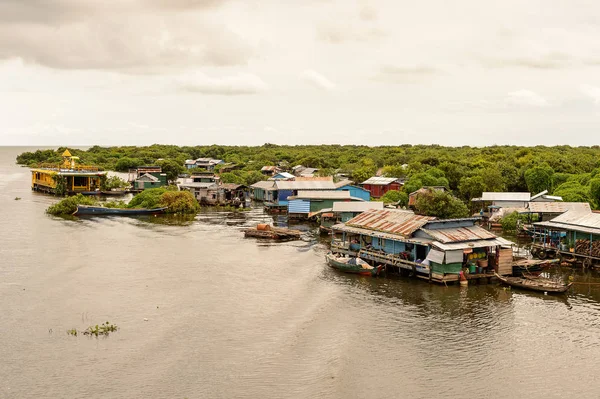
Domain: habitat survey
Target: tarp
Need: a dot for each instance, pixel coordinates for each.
(455, 256)
(435, 256)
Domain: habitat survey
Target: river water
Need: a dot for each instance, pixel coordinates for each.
(205, 313)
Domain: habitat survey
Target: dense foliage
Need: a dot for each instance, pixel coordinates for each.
(440, 204)
(395, 197)
(509, 222)
(177, 201)
(465, 171)
(68, 206)
(180, 202)
(113, 182)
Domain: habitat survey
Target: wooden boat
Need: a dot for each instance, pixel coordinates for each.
(535, 283)
(116, 192)
(531, 266)
(101, 211)
(273, 233)
(352, 265)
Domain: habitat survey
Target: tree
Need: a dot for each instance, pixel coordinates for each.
(124, 164)
(393, 171)
(493, 179)
(440, 204)
(471, 187)
(171, 168)
(361, 174)
(595, 191)
(573, 191)
(395, 196)
(539, 178)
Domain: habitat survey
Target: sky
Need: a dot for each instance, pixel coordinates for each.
(248, 72)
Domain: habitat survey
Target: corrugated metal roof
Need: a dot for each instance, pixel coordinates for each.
(587, 222)
(199, 185)
(371, 233)
(356, 206)
(459, 234)
(538, 195)
(498, 241)
(492, 196)
(558, 207)
(268, 168)
(380, 181)
(323, 194)
(268, 185)
(342, 183)
(232, 186)
(285, 175)
(392, 221)
(305, 185)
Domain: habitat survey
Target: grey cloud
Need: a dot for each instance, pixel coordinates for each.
(134, 35)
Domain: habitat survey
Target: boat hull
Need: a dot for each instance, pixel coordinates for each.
(535, 284)
(101, 211)
(349, 268)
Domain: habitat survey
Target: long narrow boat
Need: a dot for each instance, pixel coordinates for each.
(101, 211)
(535, 283)
(352, 265)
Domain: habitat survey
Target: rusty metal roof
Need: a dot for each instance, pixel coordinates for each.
(459, 234)
(387, 236)
(558, 207)
(392, 221)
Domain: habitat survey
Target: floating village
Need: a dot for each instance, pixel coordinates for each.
(367, 236)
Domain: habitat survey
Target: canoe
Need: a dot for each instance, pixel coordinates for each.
(535, 283)
(101, 211)
(352, 265)
(114, 192)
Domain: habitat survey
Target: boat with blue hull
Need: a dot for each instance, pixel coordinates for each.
(85, 210)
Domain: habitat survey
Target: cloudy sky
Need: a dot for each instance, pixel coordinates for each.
(463, 72)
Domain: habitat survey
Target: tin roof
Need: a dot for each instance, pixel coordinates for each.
(558, 207)
(493, 196)
(380, 234)
(305, 185)
(199, 185)
(285, 175)
(393, 221)
(232, 186)
(268, 185)
(498, 241)
(380, 181)
(587, 222)
(322, 194)
(356, 206)
(345, 182)
(268, 168)
(459, 234)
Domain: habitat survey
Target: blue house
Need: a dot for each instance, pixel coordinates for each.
(355, 191)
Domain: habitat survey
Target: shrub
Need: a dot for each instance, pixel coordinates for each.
(68, 206)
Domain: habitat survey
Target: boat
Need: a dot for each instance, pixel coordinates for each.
(531, 266)
(535, 283)
(273, 233)
(115, 192)
(101, 211)
(352, 265)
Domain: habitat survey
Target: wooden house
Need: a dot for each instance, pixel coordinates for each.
(378, 186)
(264, 191)
(206, 188)
(67, 178)
(437, 250)
(150, 180)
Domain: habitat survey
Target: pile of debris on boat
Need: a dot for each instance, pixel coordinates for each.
(273, 233)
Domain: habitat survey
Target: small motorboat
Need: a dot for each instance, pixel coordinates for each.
(352, 265)
(535, 283)
(273, 233)
(102, 211)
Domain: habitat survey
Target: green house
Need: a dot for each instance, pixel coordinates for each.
(150, 180)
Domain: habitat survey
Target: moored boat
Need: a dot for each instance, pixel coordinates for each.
(273, 233)
(535, 283)
(101, 211)
(530, 266)
(352, 265)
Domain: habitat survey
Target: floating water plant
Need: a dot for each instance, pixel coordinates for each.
(99, 329)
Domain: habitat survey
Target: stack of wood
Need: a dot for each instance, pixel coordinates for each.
(583, 247)
(274, 233)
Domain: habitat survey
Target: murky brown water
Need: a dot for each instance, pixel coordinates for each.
(230, 317)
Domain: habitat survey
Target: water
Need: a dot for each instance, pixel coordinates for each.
(232, 317)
